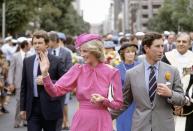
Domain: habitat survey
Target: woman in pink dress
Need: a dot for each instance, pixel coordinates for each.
(91, 81)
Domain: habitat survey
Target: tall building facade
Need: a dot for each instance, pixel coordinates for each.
(109, 22)
(140, 11)
(130, 16)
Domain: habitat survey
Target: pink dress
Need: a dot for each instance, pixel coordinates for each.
(88, 80)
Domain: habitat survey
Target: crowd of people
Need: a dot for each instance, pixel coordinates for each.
(150, 75)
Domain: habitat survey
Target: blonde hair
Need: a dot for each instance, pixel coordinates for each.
(96, 48)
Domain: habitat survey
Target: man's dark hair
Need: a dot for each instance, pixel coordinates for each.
(41, 34)
(149, 38)
(124, 39)
(23, 44)
(53, 36)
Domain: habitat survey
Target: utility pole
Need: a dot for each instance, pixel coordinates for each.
(3, 20)
(126, 19)
(139, 23)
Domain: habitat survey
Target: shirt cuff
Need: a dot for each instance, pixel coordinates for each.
(187, 101)
(169, 99)
(46, 76)
(106, 102)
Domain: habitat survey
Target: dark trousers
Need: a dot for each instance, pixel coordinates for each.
(189, 125)
(36, 122)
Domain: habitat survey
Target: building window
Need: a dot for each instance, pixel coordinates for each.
(145, 16)
(156, 6)
(144, 7)
(144, 24)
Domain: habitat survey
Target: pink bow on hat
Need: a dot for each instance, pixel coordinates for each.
(83, 38)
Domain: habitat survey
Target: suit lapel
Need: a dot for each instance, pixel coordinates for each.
(50, 60)
(141, 71)
(20, 58)
(161, 79)
(61, 52)
(30, 66)
(165, 48)
(161, 73)
(50, 50)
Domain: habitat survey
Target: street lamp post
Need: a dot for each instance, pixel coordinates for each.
(126, 20)
(3, 20)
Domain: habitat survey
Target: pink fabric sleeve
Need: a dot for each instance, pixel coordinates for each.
(118, 95)
(65, 84)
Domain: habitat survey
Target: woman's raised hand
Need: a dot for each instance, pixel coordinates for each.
(44, 63)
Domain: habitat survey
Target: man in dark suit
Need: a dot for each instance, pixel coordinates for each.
(40, 110)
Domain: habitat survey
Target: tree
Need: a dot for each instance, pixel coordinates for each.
(174, 15)
(17, 16)
(49, 15)
(62, 17)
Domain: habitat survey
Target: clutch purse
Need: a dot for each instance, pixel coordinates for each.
(183, 110)
(110, 93)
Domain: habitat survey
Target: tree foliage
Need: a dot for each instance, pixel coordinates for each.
(17, 16)
(65, 19)
(174, 15)
(49, 15)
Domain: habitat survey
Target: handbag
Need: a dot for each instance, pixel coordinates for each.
(110, 93)
(185, 110)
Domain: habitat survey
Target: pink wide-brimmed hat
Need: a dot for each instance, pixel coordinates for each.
(83, 38)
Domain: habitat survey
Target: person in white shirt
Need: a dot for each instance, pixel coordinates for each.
(182, 58)
(8, 48)
(15, 75)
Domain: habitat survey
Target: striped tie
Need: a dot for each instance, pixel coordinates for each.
(152, 83)
(54, 52)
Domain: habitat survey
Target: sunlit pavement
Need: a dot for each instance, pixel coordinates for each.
(7, 120)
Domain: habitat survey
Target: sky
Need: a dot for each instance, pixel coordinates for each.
(94, 11)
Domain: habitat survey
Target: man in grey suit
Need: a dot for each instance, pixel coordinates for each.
(155, 87)
(55, 49)
(62, 52)
(15, 75)
(170, 45)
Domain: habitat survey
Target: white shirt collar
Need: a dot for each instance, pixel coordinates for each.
(22, 54)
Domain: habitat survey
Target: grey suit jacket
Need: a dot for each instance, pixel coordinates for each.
(66, 57)
(166, 47)
(15, 72)
(159, 115)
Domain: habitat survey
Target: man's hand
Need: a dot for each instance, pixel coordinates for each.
(11, 87)
(1, 84)
(39, 80)
(163, 90)
(22, 114)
